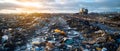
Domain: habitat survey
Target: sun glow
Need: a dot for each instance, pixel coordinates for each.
(30, 4)
(28, 7)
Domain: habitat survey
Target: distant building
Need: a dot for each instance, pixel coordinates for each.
(83, 11)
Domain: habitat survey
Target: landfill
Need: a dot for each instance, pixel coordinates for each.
(57, 33)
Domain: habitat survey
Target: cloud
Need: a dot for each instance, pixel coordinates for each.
(35, 0)
(8, 6)
(67, 5)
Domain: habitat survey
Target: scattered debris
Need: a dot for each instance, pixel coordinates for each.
(63, 33)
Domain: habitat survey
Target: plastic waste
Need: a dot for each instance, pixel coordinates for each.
(37, 48)
(4, 38)
(59, 31)
(104, 49)
(69, 41)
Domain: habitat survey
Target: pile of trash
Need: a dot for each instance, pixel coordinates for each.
(55, 35)
(58, 34)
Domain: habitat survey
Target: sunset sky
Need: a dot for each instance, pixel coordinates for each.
(58, 6)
